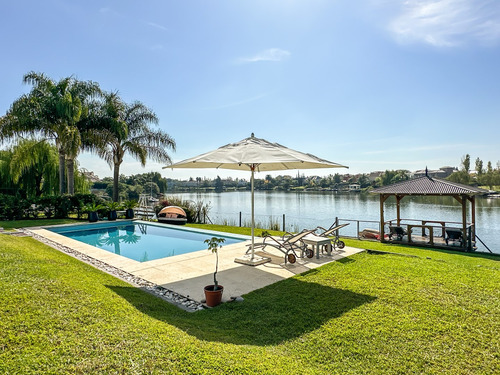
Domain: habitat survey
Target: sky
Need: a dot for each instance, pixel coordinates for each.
(374, 85)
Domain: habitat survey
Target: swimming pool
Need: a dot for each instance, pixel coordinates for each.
(142, 241)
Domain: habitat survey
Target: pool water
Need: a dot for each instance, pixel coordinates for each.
(142, 241)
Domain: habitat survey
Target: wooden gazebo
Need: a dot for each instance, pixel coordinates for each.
(434, 187)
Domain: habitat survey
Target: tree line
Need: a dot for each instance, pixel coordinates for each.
(57, 120)
(488, 176)
(480, 176)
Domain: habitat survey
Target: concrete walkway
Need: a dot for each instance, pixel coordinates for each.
(187, 274)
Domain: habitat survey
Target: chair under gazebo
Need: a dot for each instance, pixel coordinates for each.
(435, 233)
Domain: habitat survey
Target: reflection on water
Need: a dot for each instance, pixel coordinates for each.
(307, 210)
(141, 242)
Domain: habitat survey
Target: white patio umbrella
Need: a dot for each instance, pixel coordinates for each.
(255, 154)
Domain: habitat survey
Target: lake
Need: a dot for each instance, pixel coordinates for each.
(311, 209)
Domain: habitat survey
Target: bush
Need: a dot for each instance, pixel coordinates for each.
(58, 206)
(47, 205)
(13, 208)
(78, 201)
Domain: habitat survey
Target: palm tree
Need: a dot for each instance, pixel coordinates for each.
(116, 128)
(52, 110)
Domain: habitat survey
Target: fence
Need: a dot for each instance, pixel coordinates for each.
(296, 224)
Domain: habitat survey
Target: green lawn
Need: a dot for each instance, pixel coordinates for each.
(438, 312)
(37, 223)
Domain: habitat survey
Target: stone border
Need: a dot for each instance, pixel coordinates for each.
(167, 295)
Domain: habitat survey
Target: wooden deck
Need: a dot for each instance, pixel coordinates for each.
(424, 241)
(428, 233)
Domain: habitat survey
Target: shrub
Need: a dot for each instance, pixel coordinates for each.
(13, 208)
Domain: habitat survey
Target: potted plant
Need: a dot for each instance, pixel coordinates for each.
(91, 209)
(129, 208)
(213, 293)
(112, 208)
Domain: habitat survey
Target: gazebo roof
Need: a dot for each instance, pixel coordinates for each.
(428, 186)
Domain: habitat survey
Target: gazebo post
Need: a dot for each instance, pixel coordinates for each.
(464, 220)
(398, 209)
(382, 237)
(473, 216)
(383, 198)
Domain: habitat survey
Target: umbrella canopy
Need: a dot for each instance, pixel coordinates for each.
(258, 154)
(255, 154)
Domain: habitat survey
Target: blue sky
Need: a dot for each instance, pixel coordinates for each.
(374, 85)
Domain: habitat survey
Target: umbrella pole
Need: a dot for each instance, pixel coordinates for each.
(253, 218)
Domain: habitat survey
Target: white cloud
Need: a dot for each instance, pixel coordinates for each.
(157, 26)
(447, 23)
(271, 54)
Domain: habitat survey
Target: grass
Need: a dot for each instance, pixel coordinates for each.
(436, 312)
(36, 223)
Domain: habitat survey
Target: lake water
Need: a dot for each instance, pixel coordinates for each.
(308, 210)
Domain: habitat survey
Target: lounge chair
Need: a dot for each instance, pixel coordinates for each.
(289, 245)
(399, 232)
(333, 233)
(454, 235)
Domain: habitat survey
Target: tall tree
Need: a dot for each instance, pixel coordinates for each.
(479, 167)
(51, 110)
(34, 166)
(466, 163)
(7, 185)
(117, 128)
(219, 186)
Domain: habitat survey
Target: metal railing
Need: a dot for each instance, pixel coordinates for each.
(431, 229)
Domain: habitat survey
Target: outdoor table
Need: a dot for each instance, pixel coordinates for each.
(317, 241)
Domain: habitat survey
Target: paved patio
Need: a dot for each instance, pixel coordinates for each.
(187, 274)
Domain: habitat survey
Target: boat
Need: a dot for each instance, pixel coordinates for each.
(172, 215)
(370, 234)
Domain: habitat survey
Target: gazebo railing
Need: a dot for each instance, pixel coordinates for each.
(433, 231)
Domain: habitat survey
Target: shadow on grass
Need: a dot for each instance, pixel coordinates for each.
(473, 254)
(345, 260)
(396, 247)
(271, 315)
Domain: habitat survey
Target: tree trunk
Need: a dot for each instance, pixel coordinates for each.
(70, 165)
(116, 177)
(62, 166)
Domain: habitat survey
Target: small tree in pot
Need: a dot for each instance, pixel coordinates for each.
(129, 206)
(92, 209)
(213, 293)
(112, 208)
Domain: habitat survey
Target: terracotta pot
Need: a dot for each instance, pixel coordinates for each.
(213, 297)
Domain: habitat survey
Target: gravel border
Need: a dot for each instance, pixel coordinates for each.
(170, 296)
